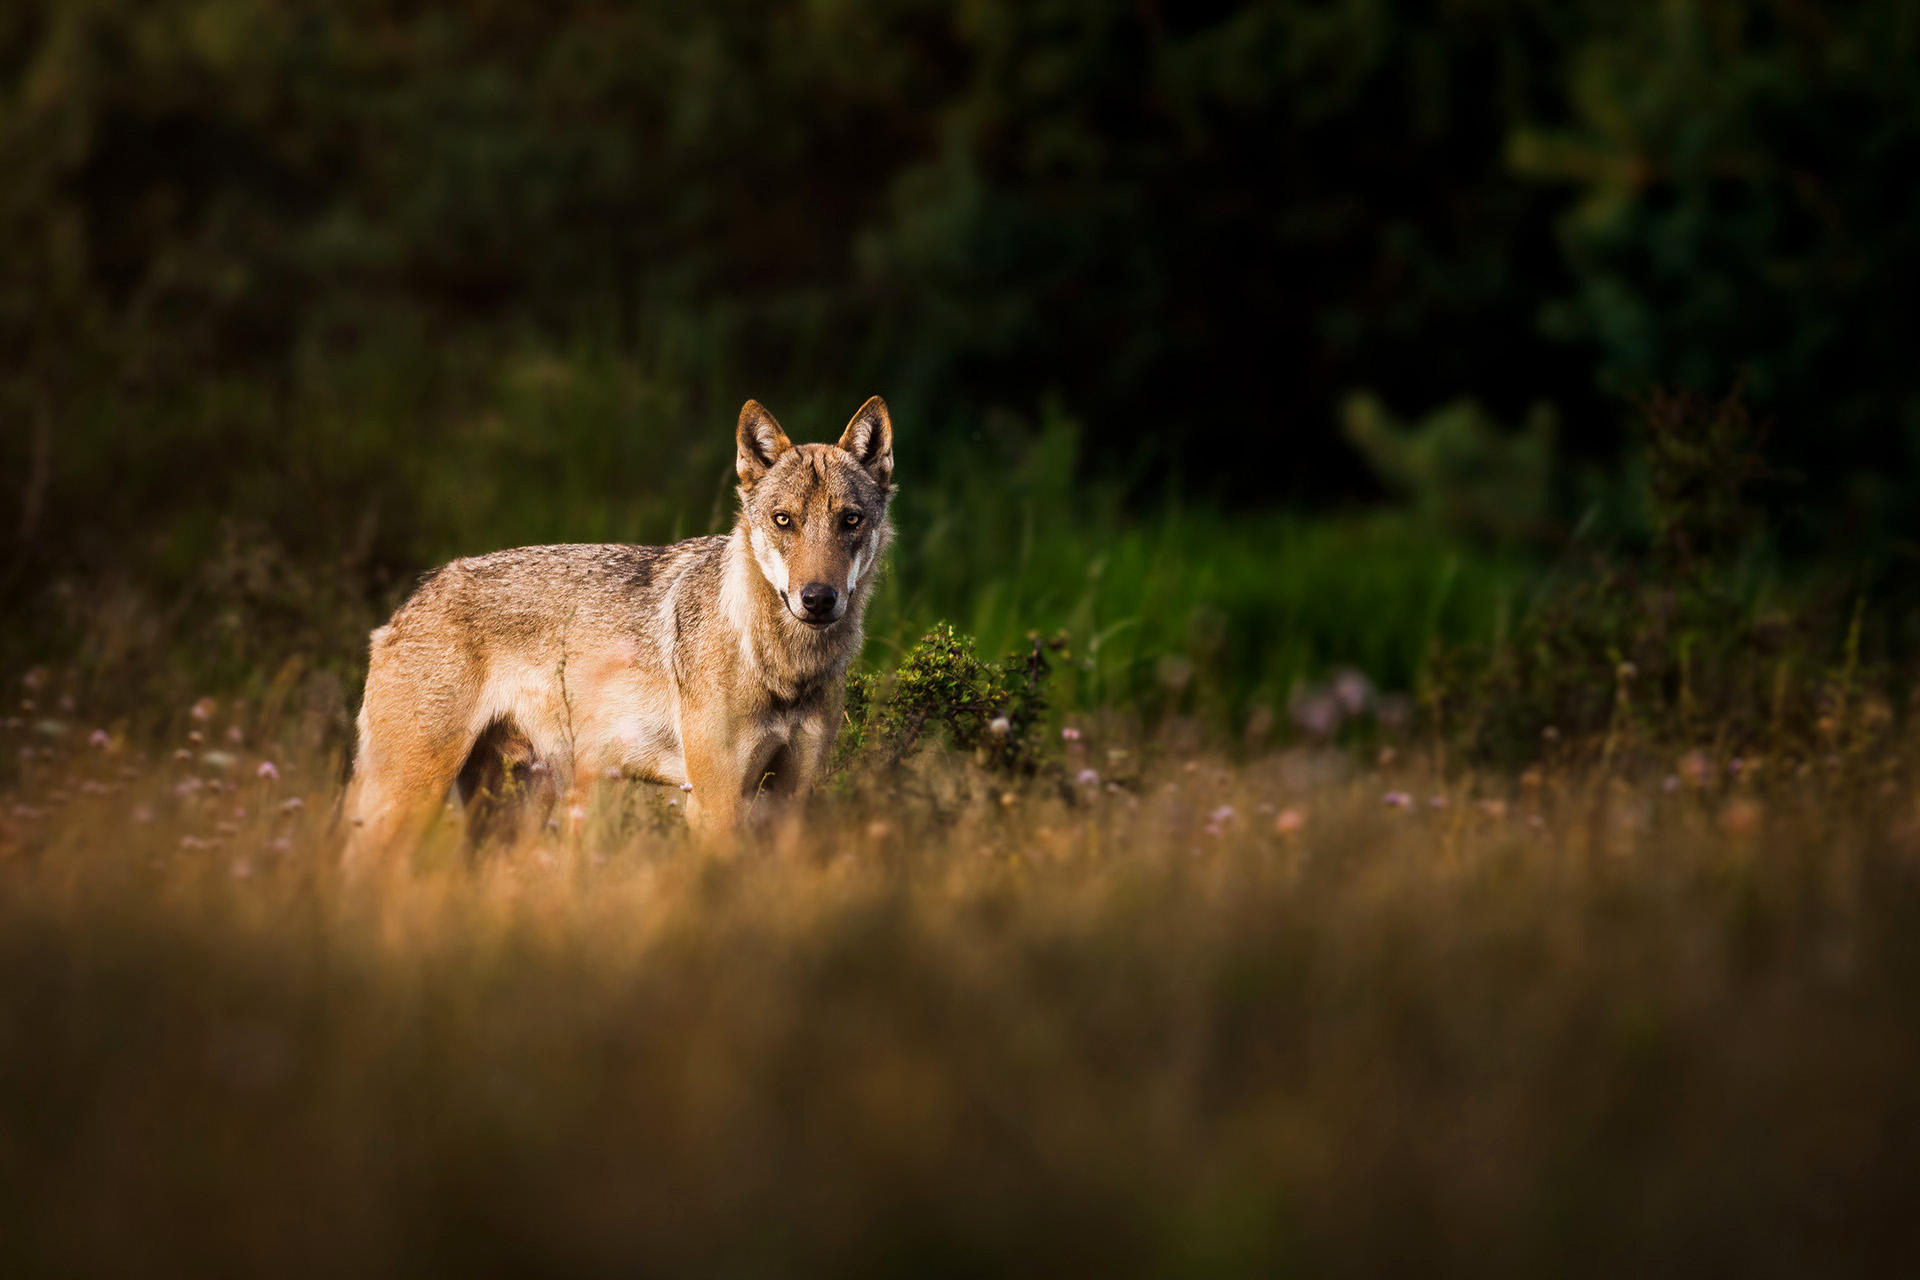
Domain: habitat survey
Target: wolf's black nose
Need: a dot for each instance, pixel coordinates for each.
(818, 599)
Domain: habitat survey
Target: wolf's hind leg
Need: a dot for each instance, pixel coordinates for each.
(389, 807)
(414, 737)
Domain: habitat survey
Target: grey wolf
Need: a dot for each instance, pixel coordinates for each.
(716, 664)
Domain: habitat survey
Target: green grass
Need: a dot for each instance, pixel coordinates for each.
(1190, 611)
(250, 526)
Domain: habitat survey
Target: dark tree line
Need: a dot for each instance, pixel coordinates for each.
(1199, 225)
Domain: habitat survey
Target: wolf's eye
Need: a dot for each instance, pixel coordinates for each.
(850, 519)
(782, 519)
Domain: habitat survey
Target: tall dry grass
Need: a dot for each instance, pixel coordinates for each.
(1303, 1013)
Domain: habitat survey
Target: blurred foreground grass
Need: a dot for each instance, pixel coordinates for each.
(1309, 1013)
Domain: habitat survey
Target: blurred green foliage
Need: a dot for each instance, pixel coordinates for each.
(1748, 179)
(1202, 225)
(1460, 470)
(1689, 639)
(246, 547)
(300, 299)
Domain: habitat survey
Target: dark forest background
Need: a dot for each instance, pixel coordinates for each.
(366, 283)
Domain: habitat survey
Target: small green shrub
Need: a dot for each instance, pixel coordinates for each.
(856, 715)
(995, 710)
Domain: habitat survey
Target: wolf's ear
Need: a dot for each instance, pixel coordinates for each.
(869, 438)
(760, 441)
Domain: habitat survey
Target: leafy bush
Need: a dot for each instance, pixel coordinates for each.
(995, 711)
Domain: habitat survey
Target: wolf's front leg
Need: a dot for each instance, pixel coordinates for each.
(810, 750)
(788, 766)
(713, 770)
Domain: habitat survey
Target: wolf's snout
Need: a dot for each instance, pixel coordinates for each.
(818, 599)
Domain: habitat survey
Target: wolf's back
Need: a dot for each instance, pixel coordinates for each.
(515, 596)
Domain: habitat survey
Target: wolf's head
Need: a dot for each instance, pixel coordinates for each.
(816, 514)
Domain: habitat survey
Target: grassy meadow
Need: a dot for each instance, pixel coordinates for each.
(1171, 1012)
(1388, 742)
(1366, 897)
